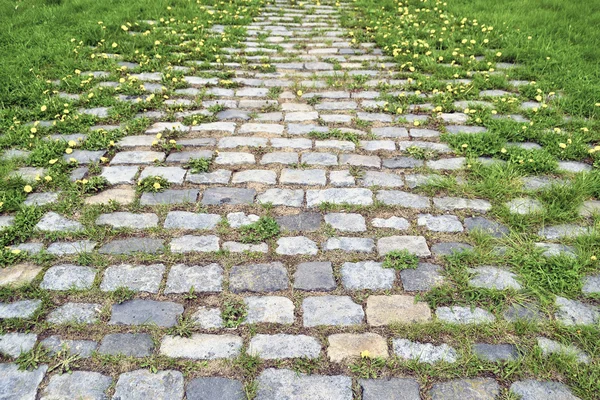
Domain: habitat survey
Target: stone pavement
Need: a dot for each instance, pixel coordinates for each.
(271, 143)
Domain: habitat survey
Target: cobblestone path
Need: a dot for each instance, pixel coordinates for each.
(261, 270)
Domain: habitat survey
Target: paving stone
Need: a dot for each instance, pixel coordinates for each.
(225, 195)
(341, 145)
(190, 220)
(29, 248)
(77, 385)
(66, 248)
(84, 156)
(349, 244)
(354, 196)
(186, 156)
(425, 277)
(319, 159)
(591, 284)
(587, 209)
(416, 245)
(219, 176)
(490, 277)
(345, 346)
(123, 196)
(303, 177)
(553, 347)
(269, 309)
(331, 310)
(83, 348)
(211, 388)
(266, 177)
(295, 245)
(19, 309)
(466, 389)
(182, 278)
(28, 174)
(496, 352)
(128, 220)
(277, 384)
(360, 160)
(192, 244)
(382, 179)
(367, 275)
(573, 312)
(403, 199)
(139, 278)
(137, 157)
(143, 384)
(279, 158)
(487, 226)
(440, 223)
(279, 143)
(402, 162)
(234, 158)
(281, 346)
(39, 199)
(12, 344)
(448, 248)
(133, 245)
(127, 344)
(390, 389)
(302, 222)
(239, 219)
(207, 318)
(68, 276)
(19, 274)
(573, 166)
(258, 278)
(390, 132)
(375, 145)
(53, 222)
(563, 231)
(233, 142)
(386, 310)
(237, 247)
(142, 312)
(524, 206)
(535, 390)
(464, 315)
(314, 276)
(6, 221)
(201, 346)
(449, 164)
(346, 222)
(17, 384)
(455, 203)
(522, 312)
(170, 196)
(392, 222)
(81, 313)
(174, 175)
(274, 129)
(424, 352)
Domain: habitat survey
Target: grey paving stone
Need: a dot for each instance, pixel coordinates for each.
(282, 197)
(342, 145)
(17, 384)
(403, 199)
(28, 174)
(123, 195)
(587, 209)
(360, 160)
(367, 275)
(314, 276)
(277, 384)
(331, 310)
(466, 389)
(537, 390)
(303, 177)
(573, 166)
(191, 244)
(182, 278)
(448, 248)
(375, 145)
(29, 248)
(258, 278)
(210, 388)
(425, 277)
(280, 158)
(281, 346)
(440, 223)
(390, 389)
(142, 312)
(424, 352)
(456, 129)
(170, 196)
(354, 196)
(19, 309)
(139, 278)
(382, 179)
(522, 312)
(448, 164)
(207, 318)
(392, 222)
(280, 143)
(84, 156)
(363, 245)
(186, 156)
(143, 384)
(68, 276)
(524, 206)
(319, 159)
(234, 158)
(487, 226)
(66, 248)
(573, 312)
(174, 175)
(81, 313)
(296, 245)
(269, 309)
(237, 247)
(201, 346)
(390, 132)
(40, 199)
(6, 221)
(455, 203)
(266, 177)
(83, 348)
(402, 162)
(563, 231)
(220, 176)
(496, 352)
(553, 347)
(137, 157)
(555, 249)
(12, 344)
(225, 195)
(464, 315)
(591, 284)
(133, 245)
(416, 245)
(341, 178)
(346, 222)
(19, 274)
(128, 220)
(490, 277)
(77, 385)
(127, 344)
(190, 220)
(424, 133)
(53, 222)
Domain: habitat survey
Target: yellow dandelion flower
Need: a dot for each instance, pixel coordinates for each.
(69, 150)
(43, 108)
(48, 178)
(27, 189)
(15, 251)
(114, 45)
(33, 130)
(156, 185)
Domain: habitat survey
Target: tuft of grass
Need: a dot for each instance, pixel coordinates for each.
(153, 184)
(199, 165)
(234, 312)
(400, 260)
(265, 228)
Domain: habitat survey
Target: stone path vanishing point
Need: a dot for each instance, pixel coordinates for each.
(309, 298)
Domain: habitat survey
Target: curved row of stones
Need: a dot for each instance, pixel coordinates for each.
(275, 134)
